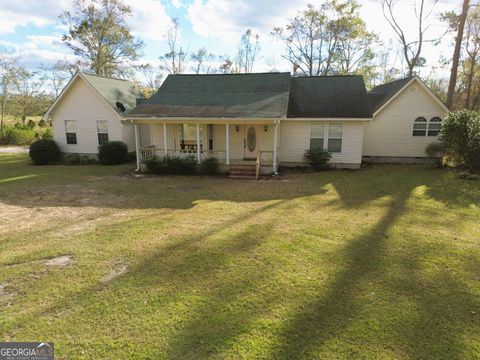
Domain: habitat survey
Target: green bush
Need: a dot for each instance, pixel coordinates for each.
(132, 156)
(468, 176)
(435, 151)
(44, 152)
(72, 159)
(18, 135)
(171, 166)
(318, 158)
(460, 136)
(210, 166)
(181, 166)
(113, 153)
(31, 124)
(156, 166)
(47, 134)
(87, 160)
(42, 123)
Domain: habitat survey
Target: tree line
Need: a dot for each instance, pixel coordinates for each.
(329, 38)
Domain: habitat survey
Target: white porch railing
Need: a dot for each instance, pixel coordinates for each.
(152, 151)
(264, 158)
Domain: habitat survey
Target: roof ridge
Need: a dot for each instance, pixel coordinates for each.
(105, 77)
(326, 76)
(394, 81)
(234, 74)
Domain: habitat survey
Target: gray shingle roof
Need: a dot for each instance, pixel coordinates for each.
(379, 95)
(263, 95)
(113, 90)
(328, 97)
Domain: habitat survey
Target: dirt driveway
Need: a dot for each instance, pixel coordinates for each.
(13, 149)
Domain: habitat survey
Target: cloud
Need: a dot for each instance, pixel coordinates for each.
(149, 19)
(228, 19)
(39, 49)
(22, 13)
(177, 3)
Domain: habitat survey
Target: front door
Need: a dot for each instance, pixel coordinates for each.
(250, 142)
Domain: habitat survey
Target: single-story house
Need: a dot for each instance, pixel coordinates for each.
(272, 118)
(89, 112)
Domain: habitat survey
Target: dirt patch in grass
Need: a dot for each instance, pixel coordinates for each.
(117, 270)
(5, 294)
(60, 261)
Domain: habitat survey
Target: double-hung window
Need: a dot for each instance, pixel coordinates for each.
(420, 126)
(317, 135)
(335, 135)
(326, 136)
(71, 132)
(102, 131)
(434, 126)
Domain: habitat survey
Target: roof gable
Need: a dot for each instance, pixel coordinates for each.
(380, 96)
(110, 90)
(263, 95)
(113, 90)
(328, 97)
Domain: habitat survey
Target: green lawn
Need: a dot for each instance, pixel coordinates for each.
(378, 263)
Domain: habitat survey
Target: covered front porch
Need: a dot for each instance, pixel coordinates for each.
(232, 143)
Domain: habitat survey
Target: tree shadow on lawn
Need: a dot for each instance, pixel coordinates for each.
(112, 187)
(316, 322)
(183, 263)
(434, 329)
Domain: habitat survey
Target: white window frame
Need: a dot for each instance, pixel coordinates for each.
(326, 137)
(423, 123)
(436, 123)
(70, 132)
(102, 132)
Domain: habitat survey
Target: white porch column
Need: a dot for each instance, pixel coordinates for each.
(198, 143)
(275, 147)
(227, 144)
(137, 146)
(165, 147)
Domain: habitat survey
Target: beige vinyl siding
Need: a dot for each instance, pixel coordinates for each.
(84, 106)
(128, 136)
(295, 139)
(236, 140)
(156, 133)
(264, 139)
(145, 138)
(390, 132)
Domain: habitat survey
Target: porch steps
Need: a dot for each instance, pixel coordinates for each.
(242, 172)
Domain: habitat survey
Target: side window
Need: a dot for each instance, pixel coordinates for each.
(420, 126)
(434, 126)
(102, 131)
(335, 134)
(317, 132)
(71, 132)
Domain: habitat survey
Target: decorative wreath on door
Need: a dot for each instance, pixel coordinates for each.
(251, 139)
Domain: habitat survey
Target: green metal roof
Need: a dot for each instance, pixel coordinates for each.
(113, 90)
(328, 97)
(263, 95)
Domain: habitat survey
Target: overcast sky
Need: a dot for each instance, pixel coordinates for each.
(31, 28)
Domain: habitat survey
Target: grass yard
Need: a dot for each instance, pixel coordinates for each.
(378, 263)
